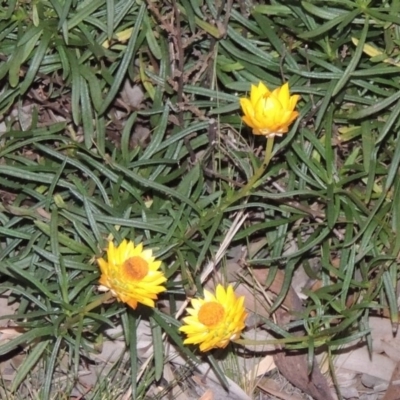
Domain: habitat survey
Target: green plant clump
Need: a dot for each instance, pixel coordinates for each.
(120, 119)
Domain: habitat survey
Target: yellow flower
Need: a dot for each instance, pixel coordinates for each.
(215, 320)
(269, 113)
(131, 273)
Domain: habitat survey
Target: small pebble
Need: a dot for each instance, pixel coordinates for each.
(370, 381)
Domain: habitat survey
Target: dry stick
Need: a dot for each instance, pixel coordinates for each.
(236, 225)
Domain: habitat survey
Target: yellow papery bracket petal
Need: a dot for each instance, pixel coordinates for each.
(284, 96)
(131, 274)
(220, 319)
(269, 113)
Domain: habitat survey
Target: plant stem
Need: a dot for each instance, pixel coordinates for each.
(102, 299)
(244, 191)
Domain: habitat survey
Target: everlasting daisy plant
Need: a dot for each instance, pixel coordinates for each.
(269, 113)
(132, 274)
(215, 320)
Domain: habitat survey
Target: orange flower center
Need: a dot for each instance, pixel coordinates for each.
(211, 314)
(135, 268)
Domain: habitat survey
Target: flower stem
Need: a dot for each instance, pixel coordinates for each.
(244, 191)
(70, 322)
(102, 299)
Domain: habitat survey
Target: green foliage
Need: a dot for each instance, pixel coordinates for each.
(74, 176)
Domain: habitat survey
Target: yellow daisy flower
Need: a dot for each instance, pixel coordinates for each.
(131, 273)
(269, 113)
(215, 320)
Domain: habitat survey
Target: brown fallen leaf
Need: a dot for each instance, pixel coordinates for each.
(360, 360)
(7, 334)
(265, 365)
(208, 395)
(393, 391)
(293, 364)
(268, 385)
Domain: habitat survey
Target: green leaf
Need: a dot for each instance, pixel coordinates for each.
(64, 239)
(48, 381)
(368, 111)
(157, 136)
(28, 364)
(393, 117)
(354, 61)
(161, 320)
(94, 86)
(87, 114)
(126, 60)
(86, 8)
(36, 61)
(76, 80)
(110, 18)
(391, 295)
(130, 330)
(21, 54)
(151, 39)
(26, 338)
(393, 169)
(158, 349)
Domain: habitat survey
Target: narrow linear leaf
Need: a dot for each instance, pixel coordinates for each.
(87, 114)
(110, 18)
(126, 60)
(354, 61)
(26, 338)
(29, 363)
(158, 348)
(390, 291)
(64, 239)
(368, 111)
(36, 61)
(51, 367)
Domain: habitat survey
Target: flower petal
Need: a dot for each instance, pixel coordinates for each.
(129, 287)
(269, 113)
(257, 92)
(228, 325)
